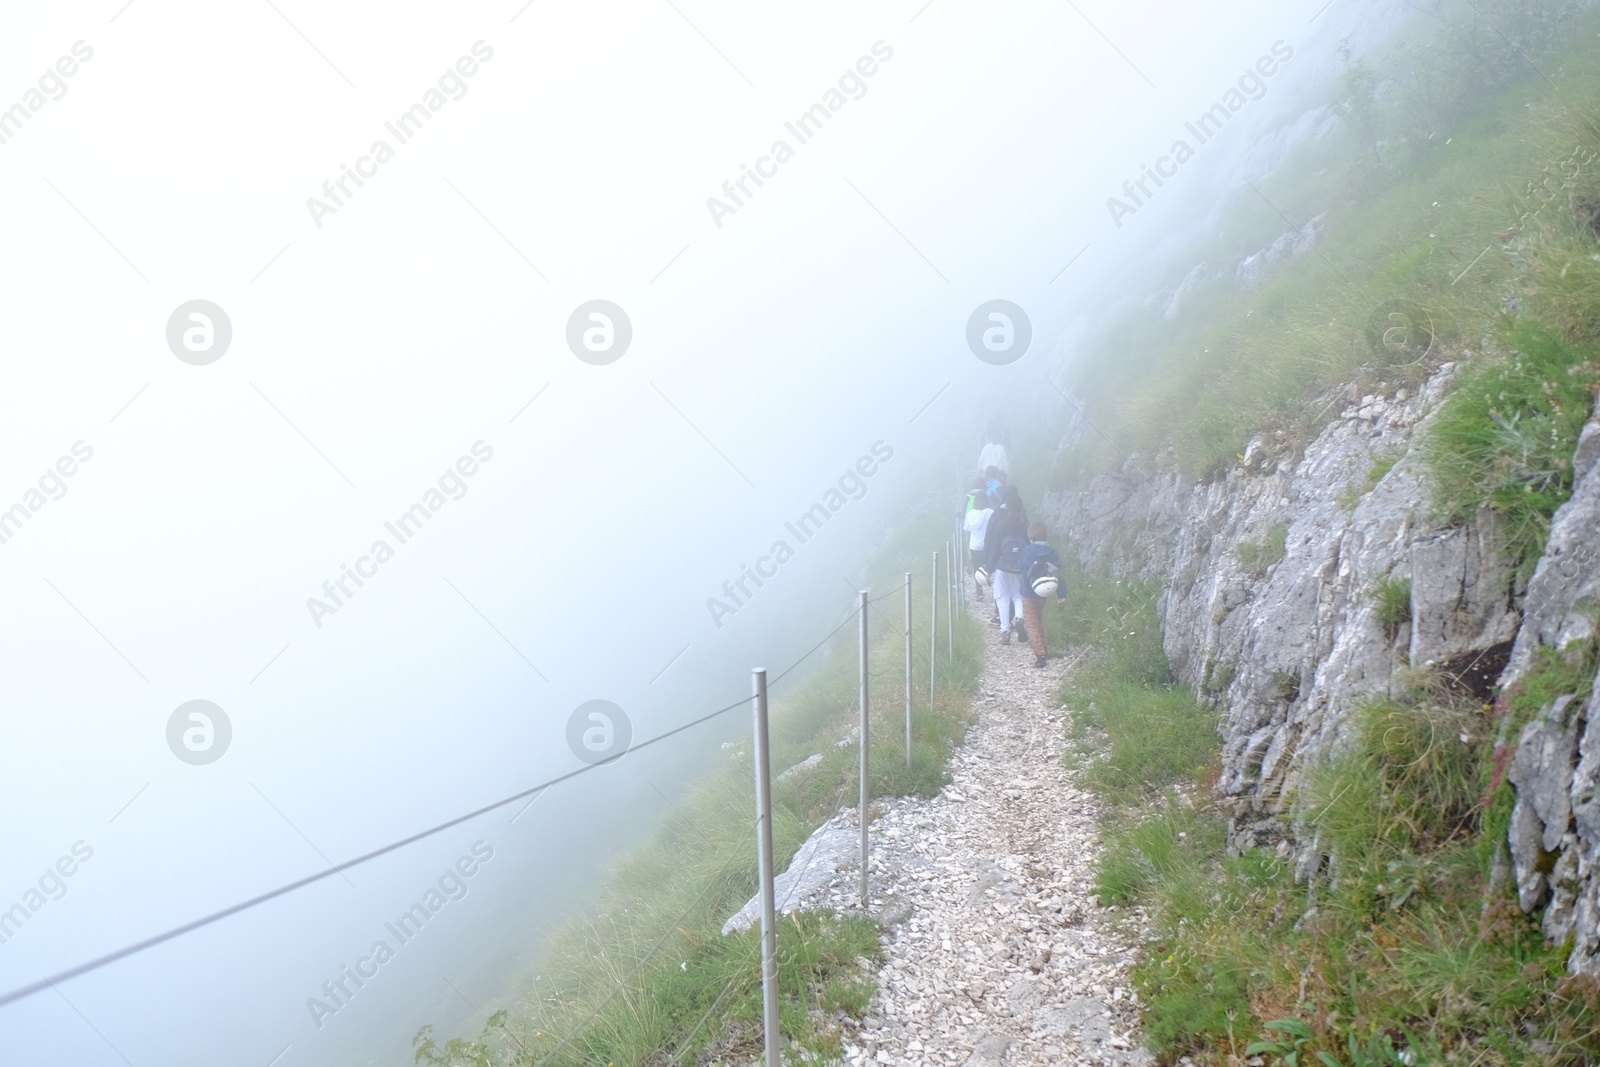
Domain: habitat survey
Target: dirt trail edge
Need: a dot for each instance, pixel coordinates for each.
(995, 951)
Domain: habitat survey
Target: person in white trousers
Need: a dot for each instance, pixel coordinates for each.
(1008, 599)
(1004, 540)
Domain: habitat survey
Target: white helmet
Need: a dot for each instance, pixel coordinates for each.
(981, 575)
(1045, 586)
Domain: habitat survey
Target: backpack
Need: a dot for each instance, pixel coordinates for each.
(1038, 570)
(1009, 558)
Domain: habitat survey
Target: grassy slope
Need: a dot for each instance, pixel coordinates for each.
(647, 975)
(1402, 945)
(1404, 949)
(1418, 244)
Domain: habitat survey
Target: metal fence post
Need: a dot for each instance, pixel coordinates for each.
(933, 626)
(866, 785)
(769, 925)
(908, 670)
(950, 602)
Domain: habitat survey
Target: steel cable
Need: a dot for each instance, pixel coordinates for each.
(99, 962)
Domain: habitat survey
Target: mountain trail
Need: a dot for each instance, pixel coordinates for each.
(995, 951)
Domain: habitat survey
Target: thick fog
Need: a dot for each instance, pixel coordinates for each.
(369, 500)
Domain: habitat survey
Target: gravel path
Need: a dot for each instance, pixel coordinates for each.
(996, 952)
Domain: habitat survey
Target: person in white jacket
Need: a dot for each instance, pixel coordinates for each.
(994, 455)
(976, 524)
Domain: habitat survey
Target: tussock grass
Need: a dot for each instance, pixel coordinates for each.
(1397, 944)
(1392, 596)
(818, 973)
(1504, 439)
(1257, 554)
(1172, 848)
(1155, 732)
(1411, 780)
(1156, 735)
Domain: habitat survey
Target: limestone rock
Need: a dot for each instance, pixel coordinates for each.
(1286, 653)
(835, 846)
(1555, 830)
(1541, 771)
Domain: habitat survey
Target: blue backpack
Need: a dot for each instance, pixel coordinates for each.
(1009, 558)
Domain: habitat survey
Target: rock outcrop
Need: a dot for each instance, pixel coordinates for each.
(1281, 579)
(1555, 825)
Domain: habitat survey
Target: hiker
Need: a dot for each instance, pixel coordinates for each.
(976, 524)
(994, 455)
(1004, 540)
(995, 442)
(977, 497)
(994, 480)
(1041, 578)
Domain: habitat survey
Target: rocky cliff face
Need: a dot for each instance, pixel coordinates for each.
(1272, 609)
(1555, 766)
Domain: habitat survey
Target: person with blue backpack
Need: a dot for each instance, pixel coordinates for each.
(1004, 542)
(1040, 567)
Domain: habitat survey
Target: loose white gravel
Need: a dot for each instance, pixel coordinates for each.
(995, 951)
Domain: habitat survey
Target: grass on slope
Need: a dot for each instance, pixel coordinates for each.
(647, 977)
(1401, 947)
(1400, 952)
(1504, 439)
(1150, 731)
(1478, 206)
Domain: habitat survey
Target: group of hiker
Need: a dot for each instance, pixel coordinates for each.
(1009, 555)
